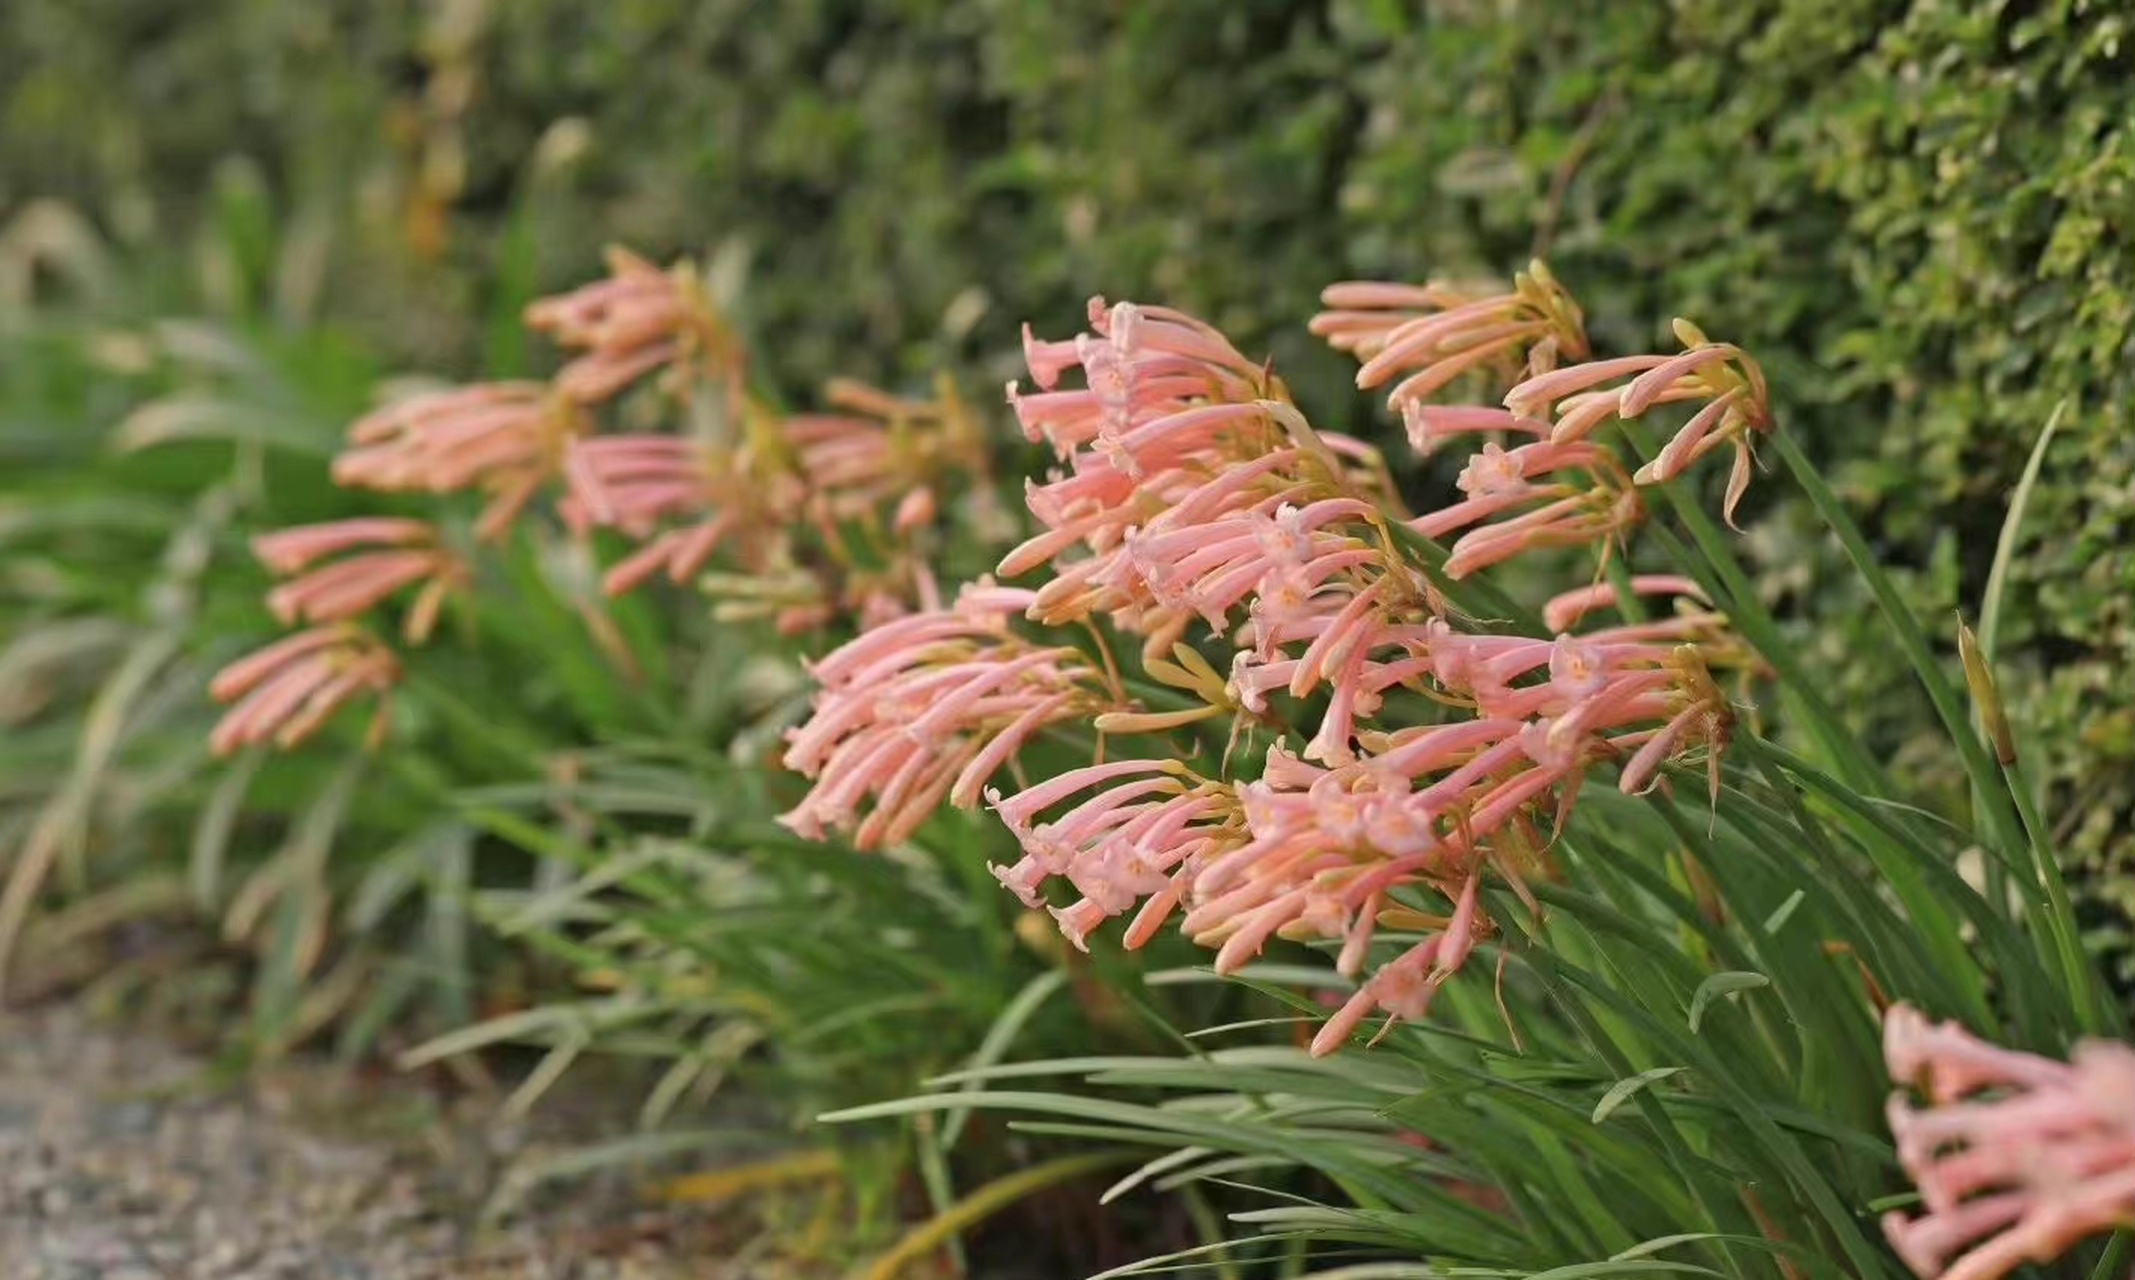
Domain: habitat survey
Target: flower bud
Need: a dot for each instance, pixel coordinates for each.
(1979, 679)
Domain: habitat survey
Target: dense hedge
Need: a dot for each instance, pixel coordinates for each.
(1917, 210)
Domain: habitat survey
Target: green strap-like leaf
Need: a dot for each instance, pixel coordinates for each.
(1622, 1091)
(1722, 984)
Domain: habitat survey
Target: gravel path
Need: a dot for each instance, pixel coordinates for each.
(118, 1162)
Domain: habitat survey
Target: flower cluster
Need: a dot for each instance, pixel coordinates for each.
(2017, 1157)
(871, 474)
(1188, 478)
(1316, 852)
(639, 320)
(1196, 505)
(504, 439)
(288, 690)
(511, 439)
(927, 707)
(334, 574)
(1184, 467)
(823, 515)
(1432, 335)
(1733, 405)
(378, 557)
(1437, 336)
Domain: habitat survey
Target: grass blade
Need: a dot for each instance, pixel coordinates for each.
(1990, 609)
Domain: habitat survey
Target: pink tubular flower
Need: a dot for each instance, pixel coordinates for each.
(770, 479)
(1404, 987)
(1431, 425)
(389, 555)
(1146, 368)
(1181, 458)
(1140, 839)
(1326, 851)
(1540, 494)
(2017, 1157)
(1537, 396)
(887, 453)
(850, 465)
(638, 483)
(291, 688)
(638, 320)
(1332, 853)
(1360, 314)
(506, 439)
(1360, 638)
(926, 708)
(1565, 610)
(1433, 334)
(1211, 566)
(1726, 385)
(1329, 853)
(679, 554)
(1615, 693)
(295, 549)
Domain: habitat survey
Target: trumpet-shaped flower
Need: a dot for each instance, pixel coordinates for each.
(638, 320)
(1536, 495)
(927, 708)
(1432, 425)
(1430, 336)
(389, 555)
(506, 439)
(288, 690)
(1726, 385)
(1141, 838)
(2017, 1157)
(1567, 609)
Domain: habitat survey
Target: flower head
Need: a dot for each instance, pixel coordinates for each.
(1178, 453)
(685, 499)
(639, 483)
(638, 320)
(1327, 852)
(926, 708)
(506, 439)
(1726, 385)
(1432, 335)
(885, 454)
(2017, 1157)
(386, 555)
(1192, 491)
(288, 690)
(1141, 836)
(1539, 494)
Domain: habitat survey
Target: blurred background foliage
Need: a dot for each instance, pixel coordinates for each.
(1914, 210)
